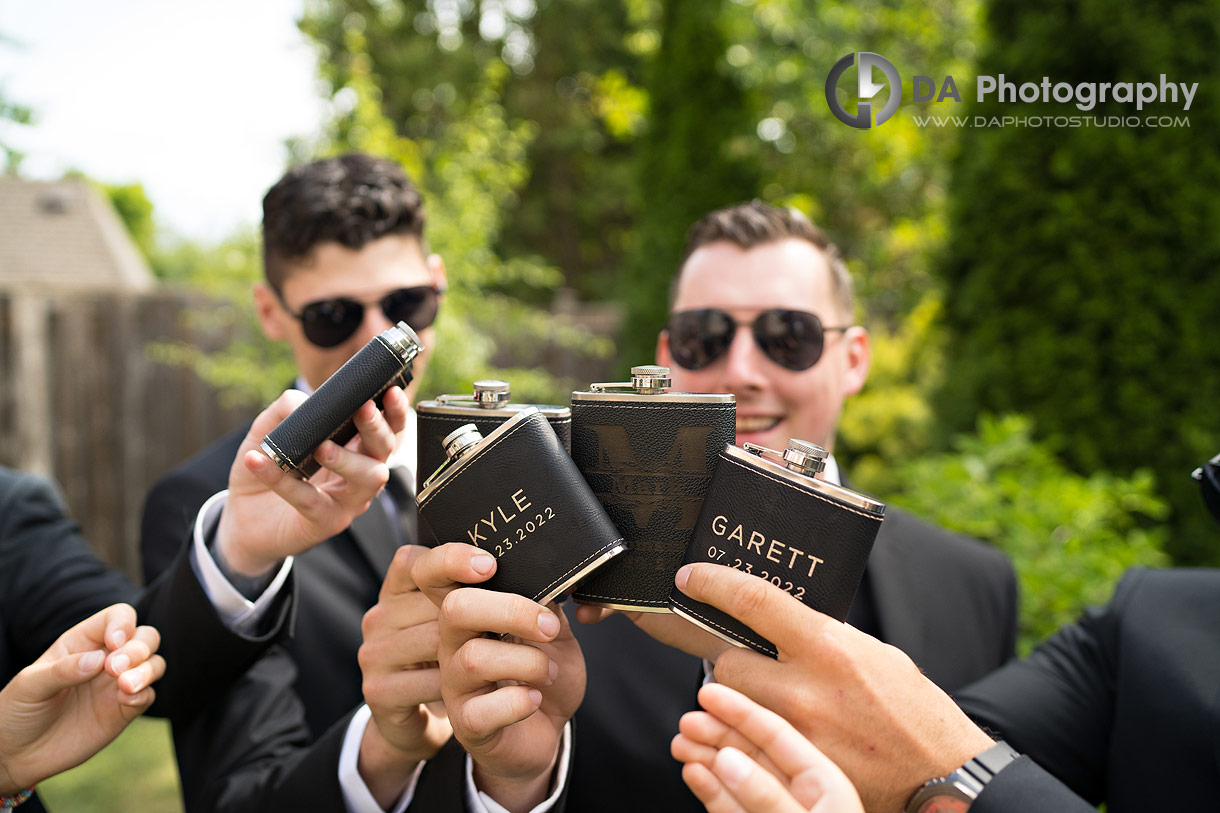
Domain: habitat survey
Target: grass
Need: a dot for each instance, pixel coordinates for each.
(135, 772)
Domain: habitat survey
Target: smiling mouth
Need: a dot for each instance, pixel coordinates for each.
(755, 423)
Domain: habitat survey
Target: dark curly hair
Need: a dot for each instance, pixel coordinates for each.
(351, 200)
(756, 223)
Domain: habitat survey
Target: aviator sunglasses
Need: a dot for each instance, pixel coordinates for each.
(792, 339)
(330, 322)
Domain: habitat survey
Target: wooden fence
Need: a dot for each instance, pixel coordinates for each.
(81, 402)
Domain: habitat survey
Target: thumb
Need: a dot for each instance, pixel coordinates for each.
(43, 679)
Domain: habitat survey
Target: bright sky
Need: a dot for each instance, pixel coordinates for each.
(192, 99)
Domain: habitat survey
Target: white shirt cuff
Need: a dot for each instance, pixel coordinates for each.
(356, 794)
(239, 613)
(479, 802)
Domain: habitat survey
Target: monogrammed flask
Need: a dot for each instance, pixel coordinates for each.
(648, 454)
(487, 407)
(517, 494)
(767, 513)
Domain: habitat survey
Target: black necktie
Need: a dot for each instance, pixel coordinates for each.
(399, 502)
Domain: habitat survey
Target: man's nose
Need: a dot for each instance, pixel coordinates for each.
(374, 322)
(744, 364)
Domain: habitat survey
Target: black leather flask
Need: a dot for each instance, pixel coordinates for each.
(517, 494)
(769, 515)
(327, 413)
(489, 406)
(648, 454)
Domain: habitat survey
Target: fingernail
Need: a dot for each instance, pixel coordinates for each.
(482, 563)
(553, 669)
(91, 660)
(133, 684)
(330, 452)
(681, 576)
(120, 663)
(117, 639)
(548, 623)
(536, 697)
(732, 766)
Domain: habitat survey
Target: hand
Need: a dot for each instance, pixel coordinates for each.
(402, 682)
(270, 514)
(510, 699)
(668, 628)
(71, 702)
(742, 758)
(862, 702)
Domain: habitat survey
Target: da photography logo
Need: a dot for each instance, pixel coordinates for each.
(865, 89)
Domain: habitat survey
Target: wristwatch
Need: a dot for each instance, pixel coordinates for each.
(956, 792)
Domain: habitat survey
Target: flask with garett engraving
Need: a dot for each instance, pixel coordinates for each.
(487, 407)
(648, 454)
(517, 494)
(768, 514)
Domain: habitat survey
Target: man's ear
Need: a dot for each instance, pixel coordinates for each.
(859, 353)
(436, 266)
(271, 312)
(663, 357)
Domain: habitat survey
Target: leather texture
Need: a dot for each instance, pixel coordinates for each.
(804, 541)
(1122, 706)
(328, 412)
(649, 463)
(520, 497)
(433, 425)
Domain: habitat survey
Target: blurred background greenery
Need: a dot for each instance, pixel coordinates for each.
(1041, 299)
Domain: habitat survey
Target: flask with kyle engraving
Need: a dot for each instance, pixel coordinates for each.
(768, 514)
(517, 494)
(487, 407)
(648, 454)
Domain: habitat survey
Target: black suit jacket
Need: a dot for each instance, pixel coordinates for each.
(1123, 706)
(947, 601)
(267, 738)
(50, 580)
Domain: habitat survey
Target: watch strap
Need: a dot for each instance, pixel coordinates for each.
(968, 781)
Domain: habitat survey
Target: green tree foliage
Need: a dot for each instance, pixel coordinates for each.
(1080, 280)
(247, 369)
(17, 114)
(468, 173)
(11, 113)
(880, 193)
(692, 159)
(577, 84)
(891, 419)
(1071, 537)
(136, 212)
